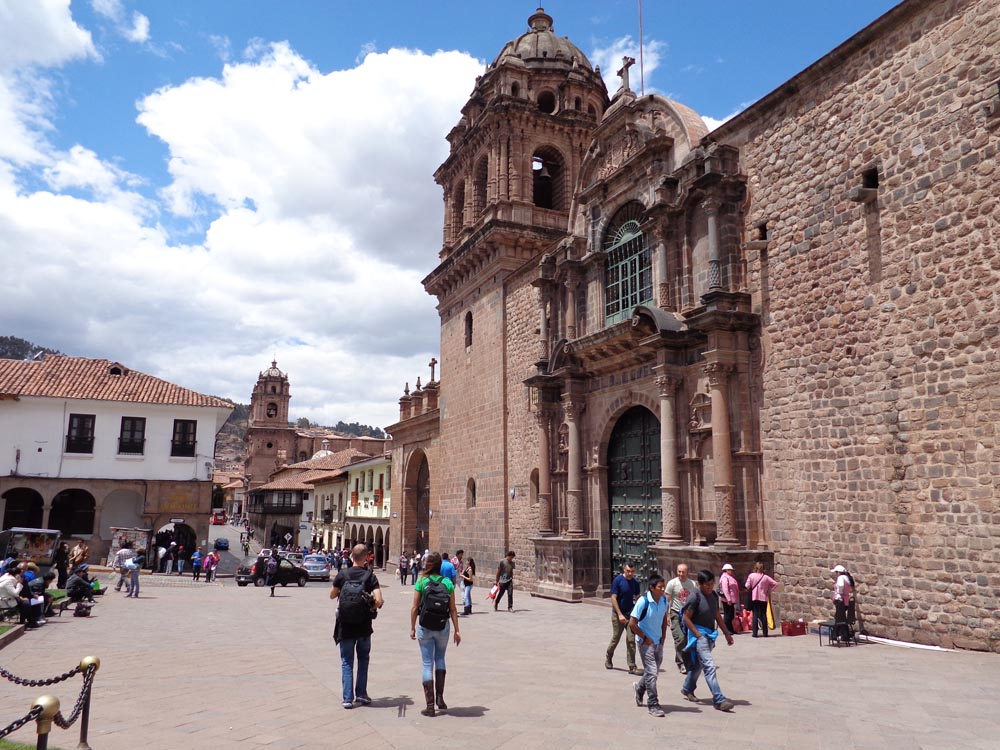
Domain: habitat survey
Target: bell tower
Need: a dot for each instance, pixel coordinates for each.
(269, 401)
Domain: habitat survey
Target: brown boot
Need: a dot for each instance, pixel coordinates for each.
(439, 688)
(429, 697)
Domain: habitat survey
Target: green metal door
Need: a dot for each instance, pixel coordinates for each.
(634, 490)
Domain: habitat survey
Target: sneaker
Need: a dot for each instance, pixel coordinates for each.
(41, 621)
(639, 693)
(689, 696)
(364, 700)
(656, 711)
(725, 705)
(608, 664)
(634, 670)
(347, 704)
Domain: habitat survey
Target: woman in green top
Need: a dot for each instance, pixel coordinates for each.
(433, 642)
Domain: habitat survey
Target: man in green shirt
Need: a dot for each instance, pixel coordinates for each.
(678, 591)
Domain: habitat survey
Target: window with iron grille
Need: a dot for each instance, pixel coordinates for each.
(183, 442)
(628, 265)
(132, 438)
(80, 435)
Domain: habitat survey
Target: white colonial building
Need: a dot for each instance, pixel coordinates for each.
(88, 444)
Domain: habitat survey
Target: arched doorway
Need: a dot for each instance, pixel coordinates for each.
(634, 490)
(417, 503)
(180, 533)
(23, 507)
(73, 513)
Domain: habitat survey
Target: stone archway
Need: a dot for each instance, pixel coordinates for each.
(73, 513)
(23, 507)
(633, 461)
(416, 523)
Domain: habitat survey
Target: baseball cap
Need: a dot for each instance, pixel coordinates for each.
(838, 569)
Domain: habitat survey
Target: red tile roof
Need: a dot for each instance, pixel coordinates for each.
(301, 481)
(334, 460)
(58, 376)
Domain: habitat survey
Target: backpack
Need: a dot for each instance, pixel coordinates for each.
(435, 606)
(355, 605)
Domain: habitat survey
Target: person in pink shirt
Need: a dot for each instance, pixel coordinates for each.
(760, 585)
(729, 591)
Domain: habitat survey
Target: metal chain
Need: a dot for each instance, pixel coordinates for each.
(27, 718)
(39, 683)
(88, 679)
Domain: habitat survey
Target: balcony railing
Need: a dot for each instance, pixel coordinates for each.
(183, 449)
(77, 444)
(131, 446)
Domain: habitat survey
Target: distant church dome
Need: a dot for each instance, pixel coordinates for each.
(273, 371)
(322, 454)
(541, 47)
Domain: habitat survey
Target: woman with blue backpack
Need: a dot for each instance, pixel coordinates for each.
(432, 612)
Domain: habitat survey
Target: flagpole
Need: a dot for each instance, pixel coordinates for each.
(642, 72)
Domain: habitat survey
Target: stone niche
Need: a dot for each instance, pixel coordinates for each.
(566, 568)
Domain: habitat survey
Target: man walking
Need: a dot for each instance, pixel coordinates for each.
(648, 622)
(701, 616)
(404, 568)
(125, 553)
(624, 591)
(678, 591)
(360, 598)
(505, 579)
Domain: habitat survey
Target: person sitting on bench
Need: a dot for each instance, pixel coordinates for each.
(79, 586)
(13, 593)
(39, 588)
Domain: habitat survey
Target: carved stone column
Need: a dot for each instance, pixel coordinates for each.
(571, 290)
(543, 325)
(502, 167)
(711, 207)
(670, 491)
(574, 468)
(725, 510)
(544, 475)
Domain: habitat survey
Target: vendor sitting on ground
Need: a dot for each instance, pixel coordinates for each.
(80, 586)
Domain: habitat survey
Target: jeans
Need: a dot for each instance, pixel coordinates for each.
(403, 574)
(680, 640)
(652, 658)
(433, 644)
(706, 664)
(509, 588)
(616, 633)
(133, 589)
(196, 572)
(363, 647)
(468, 597)
(180, 567)
(413, 575)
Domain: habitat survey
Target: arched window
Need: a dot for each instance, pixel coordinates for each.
(470, 493)
(628, 265)
(547, 102)
(458, 206)
(479, 184)
(272, 410)
(515, 89)
(548, 179)
(468, 330)
(577, 104)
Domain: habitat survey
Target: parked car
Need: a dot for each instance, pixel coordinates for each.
(218, 519)
(296, 557)
(252, 570)
(222, 543)
(318, 567)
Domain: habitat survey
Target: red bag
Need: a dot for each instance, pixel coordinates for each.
(747, 616)
(738, 622)
(493, 592)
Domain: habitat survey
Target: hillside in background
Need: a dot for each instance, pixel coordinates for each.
(12, 347)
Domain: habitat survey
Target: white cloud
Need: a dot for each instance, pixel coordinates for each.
(134, 28)
(610, 60)
(138, 32)
(321, 218)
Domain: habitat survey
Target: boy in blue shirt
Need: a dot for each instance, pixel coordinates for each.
(648, 622)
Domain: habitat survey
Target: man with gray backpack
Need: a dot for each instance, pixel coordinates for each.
(360, 598)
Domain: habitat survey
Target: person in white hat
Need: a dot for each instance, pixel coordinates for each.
(843, 595)
(729, 590)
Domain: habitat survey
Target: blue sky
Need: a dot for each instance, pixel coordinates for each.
(205, 185)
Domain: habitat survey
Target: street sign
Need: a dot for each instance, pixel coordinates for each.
(304, 527)
(288, 537)
(176, 520)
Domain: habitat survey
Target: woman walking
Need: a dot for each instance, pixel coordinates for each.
(133, 571)
(469, 579)
(760, 585)
(434, 604)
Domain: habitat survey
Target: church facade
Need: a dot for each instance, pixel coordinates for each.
(774, 342)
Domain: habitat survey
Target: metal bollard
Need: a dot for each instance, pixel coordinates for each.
(50, 707)
(85, 664)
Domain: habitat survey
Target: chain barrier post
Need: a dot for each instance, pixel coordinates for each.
(49, 705)
(89, 665)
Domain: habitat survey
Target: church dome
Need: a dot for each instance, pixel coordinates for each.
(540, 46)
(273, 371)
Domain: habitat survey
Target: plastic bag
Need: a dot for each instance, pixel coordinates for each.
(493, 592)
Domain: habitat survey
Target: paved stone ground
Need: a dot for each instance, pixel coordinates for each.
(217, 666)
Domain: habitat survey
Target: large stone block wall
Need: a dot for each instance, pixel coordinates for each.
(881, 344)
(472, 431)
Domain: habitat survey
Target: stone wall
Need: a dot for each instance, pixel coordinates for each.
(881, 342)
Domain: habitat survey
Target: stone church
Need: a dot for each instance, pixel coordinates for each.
(776, 341)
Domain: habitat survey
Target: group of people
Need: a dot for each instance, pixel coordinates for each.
(24, 587)
(461, 572)
(691, 609)
(434, 616)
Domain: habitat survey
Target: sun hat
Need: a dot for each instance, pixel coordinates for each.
(838, 569)
(727, 566)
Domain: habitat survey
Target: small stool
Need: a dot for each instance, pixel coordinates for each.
(831, 628)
